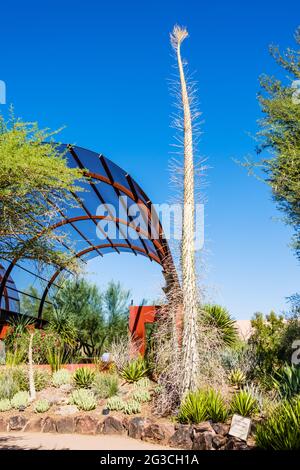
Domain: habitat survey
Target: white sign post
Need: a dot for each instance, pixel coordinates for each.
(240, 427)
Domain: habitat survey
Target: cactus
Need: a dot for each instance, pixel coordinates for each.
(20, 399)
(5, 405)
(41, 406)
(61, 377)
(84, 399)
(141, 395)
(132, 407)
(142, 383)
(115, 404)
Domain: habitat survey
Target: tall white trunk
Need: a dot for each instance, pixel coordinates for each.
(189, 287)
(32, 391)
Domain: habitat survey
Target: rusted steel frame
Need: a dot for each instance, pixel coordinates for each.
(97, 192)
(118, 193)
(28, 295)
(79, 254)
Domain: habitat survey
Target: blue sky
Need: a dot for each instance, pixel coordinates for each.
(101, 69)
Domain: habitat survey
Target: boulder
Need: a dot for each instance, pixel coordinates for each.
(221, 428)
(203, 441)
(182, 437)
(86, 425)
(233, 443)
(112, 425)
(17, 423)
(3, 425)
(34, 425)
(55, 396)
(65, 425)
(204, 426)
(218, 441)
(136, 427)
(153, 432)
(48, 425)
(67, 410)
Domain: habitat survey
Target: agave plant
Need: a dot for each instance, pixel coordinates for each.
(193, 408)
(287, 381)
(84, 377)
(216, 407)
(237, 377)
(221, 319)
(134, 370)
(244, 404)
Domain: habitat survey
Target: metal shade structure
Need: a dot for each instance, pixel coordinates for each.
(91, 231)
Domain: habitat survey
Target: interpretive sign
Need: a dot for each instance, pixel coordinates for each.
(240, 427)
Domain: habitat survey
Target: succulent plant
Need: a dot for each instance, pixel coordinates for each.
(84, 399)
(141, 395)
(41, 406)
(20, 400)
(84, 377)
(237, 377)
(5, 405)
(142, 383)
(61, 377)
(132, 407)
(115, 403)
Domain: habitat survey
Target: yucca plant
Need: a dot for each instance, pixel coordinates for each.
(42, 406)
(84, 399)
(134, 370)
(281, 431)
(287, 381)
(237, 378)
(244, 404)
(193, 408)
(84, 377)
(216, 407)
(219, 317)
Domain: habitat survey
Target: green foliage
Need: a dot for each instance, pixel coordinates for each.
(244, 403)
(216, 407)
(84, 377)
(5, 404)
(42, 406)
(281, 431)
(131, 407)
(56, 357)
(33, 174)
(134, 370)
(20, 399)
(287, 381)
(8, 385)
(237, 378)
(141, 395)
(61, 377)
(115, 403)
(63, 324)
(221, 319)
(142, 383)
(84, 399)
(193, 408)
(15, 357)
(105, 385)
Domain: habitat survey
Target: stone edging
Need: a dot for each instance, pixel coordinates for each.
(204, 436)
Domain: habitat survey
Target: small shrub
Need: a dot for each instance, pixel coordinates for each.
(287, 381)
(244, 404)
(20, 399)
(131, 407)
(84, 399)
(115, 404)
(193, 408)
(42, 379)
(142, 383)
(281, 431)
(105, 385)
(141, 395)
(237, 378)
(42, 406)
(8, 385)
(61, 377)
(134, 370)
(84, 377)
(216, 407)
(5, 405)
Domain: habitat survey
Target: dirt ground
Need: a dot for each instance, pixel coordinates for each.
(43, 441)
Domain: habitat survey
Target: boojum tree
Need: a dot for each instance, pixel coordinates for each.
(190, 354)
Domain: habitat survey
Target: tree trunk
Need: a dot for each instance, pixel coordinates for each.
(189, 287)
(32, 391)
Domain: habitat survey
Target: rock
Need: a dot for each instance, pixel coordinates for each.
(67, 410)
(168, 430)
(221, 428)
(66, 388)
(86, 425)
(182, 437)
(234, 443)
(153, 432)
(203, 441)
(48, 425)
(204, 426)
(136, 427)
(17, 423)
(55, 396)
(34, 425)
(65, 425)
(3, 425)
(112, 425)
(218, 441)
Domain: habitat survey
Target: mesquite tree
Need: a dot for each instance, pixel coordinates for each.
(190, 355)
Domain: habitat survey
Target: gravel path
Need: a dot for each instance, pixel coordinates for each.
(27, 441)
